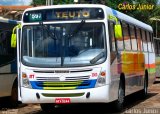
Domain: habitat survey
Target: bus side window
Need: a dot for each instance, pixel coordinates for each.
(157, 46)
(144, 41)
(120, 43)
(151, 35)
(7, 53)
(133, 37)
(126, 36)
(149, 42)
(27, 46)
(112, 42)
(111, 37)
(139, 39)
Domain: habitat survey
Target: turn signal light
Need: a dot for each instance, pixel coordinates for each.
(103, 73)
(24, 75)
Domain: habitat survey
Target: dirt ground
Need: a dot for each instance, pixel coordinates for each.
(134, 105)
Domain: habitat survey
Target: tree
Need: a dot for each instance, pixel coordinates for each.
(142, 15)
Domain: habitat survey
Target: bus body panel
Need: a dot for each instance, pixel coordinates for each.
(6, 84)
(151, 67)
(99, 94)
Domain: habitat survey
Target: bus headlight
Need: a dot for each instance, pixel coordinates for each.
(25, 81)
(101, 80)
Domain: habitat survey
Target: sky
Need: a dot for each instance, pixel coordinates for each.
(15, 2)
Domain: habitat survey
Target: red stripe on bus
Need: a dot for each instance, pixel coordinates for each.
(150, 65)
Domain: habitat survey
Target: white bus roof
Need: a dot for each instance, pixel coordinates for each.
(5, 20)
(109, 10)
(129, 19)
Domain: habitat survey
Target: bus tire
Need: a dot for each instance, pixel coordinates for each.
(14, 95)
(48, 107)
(119, 104)
(145, 86)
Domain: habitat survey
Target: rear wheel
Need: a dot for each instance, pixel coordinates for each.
(145, 89)
(48, 107)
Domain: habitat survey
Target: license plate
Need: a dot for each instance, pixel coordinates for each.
(62, 100)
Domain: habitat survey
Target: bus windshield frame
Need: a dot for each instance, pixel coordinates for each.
(75, 44)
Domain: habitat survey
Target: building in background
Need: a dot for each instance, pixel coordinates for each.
(12, 12)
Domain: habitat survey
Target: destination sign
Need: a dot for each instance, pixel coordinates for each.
(63, 14)
(72, 14)
(35, 17)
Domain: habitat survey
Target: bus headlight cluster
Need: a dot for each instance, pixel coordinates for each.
(25, 81)
(101, 80)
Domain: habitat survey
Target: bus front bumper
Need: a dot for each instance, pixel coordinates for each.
(99, 94)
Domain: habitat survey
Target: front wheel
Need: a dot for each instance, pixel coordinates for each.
(121, 96)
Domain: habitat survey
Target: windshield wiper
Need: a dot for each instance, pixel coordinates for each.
(49, 31)
(99, 56)
(76, 30)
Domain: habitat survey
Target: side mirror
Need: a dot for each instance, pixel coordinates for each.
(118, 31)
(14, 36)
(13, 40)
(117, 27)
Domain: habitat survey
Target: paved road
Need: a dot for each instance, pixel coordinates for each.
(134, 105)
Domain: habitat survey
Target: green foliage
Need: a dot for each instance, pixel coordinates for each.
(43, 2)
(38, 2)
(114, 3)
(142, 15)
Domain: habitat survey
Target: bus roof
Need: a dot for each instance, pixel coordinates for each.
(107, 9)
(5, 20)
(129, 19)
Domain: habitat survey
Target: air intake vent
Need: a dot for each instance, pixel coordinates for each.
(63, 71)
(86, 70)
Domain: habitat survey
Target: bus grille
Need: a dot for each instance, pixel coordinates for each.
(54, 83)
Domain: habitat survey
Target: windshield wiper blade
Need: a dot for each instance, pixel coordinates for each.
(76, 30)
(99, 56)
(49, 31)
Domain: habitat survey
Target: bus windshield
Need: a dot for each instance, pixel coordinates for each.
(63, 45)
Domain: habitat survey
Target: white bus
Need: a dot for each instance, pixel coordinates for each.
(8, 61)
(82, 54)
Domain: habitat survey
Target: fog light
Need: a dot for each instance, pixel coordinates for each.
(25, 82)
(101, 80)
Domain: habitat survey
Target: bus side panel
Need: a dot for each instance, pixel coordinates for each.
(132, 64)
(7, 77)
(151, 67)
(8, 67)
